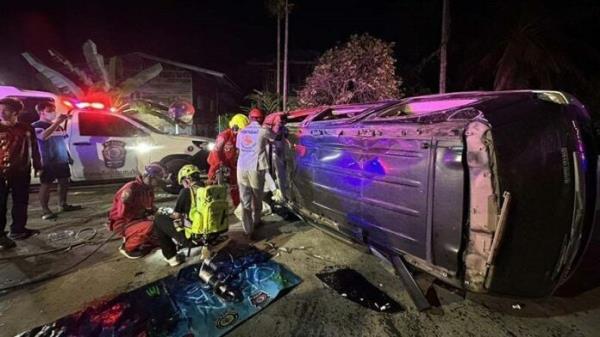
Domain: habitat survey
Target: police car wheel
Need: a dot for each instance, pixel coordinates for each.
(173, 166)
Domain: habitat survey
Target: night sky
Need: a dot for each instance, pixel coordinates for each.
(225, 35)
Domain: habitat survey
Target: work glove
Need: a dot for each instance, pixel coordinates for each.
(277, 196)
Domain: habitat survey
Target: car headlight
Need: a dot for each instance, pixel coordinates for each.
(143, 147)
(208, 146)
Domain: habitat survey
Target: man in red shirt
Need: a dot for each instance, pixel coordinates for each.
(18, 149)
(132, 212)
(224, 155)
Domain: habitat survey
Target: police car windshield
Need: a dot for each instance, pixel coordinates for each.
(148, 126)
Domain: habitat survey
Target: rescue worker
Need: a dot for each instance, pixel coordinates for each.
(55, 158)
(18, 149)
(133, 212)
(224, 155)
(173, 227)
(252, 166)
(276, 122)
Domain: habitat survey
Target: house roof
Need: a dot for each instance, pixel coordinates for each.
(190, 67)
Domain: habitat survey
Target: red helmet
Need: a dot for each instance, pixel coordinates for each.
(256, 113)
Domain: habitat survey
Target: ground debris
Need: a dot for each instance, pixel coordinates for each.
(517, 306)
(353, 286)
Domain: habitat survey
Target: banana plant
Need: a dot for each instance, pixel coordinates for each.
(97, 78)
(268, 101)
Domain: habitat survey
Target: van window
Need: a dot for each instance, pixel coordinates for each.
(105, 125)
(344, 112)
(427, 110)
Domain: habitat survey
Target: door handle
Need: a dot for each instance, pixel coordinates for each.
(82, 143)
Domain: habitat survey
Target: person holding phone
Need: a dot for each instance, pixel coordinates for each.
(55, 158)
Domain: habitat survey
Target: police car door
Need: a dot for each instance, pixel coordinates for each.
(102, 146)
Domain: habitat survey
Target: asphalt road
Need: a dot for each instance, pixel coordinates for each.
(310, 309)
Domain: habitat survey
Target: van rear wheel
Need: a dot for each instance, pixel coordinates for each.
(173, 166)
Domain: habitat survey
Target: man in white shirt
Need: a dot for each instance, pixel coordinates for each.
(252, 165)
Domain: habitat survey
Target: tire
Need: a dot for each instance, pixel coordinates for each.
(173, 166)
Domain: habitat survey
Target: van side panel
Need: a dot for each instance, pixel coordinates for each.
(395, 201)
(448, 203)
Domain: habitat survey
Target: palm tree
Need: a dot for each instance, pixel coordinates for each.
(288, 8)
(276, 8)
(444, 44)
(532, 51)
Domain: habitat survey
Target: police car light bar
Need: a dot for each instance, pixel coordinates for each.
(93, 105)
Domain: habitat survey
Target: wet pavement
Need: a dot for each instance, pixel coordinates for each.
(310, 309)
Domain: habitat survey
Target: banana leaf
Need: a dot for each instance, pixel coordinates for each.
(96, 63)
(61, 82)
(46, 84)
(135, 82)
(113, 65)
(70, 67)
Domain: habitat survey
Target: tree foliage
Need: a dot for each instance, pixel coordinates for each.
(268, 101)
(532, 49)
(361, 70)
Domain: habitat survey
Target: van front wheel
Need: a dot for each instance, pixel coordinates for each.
(173, 166)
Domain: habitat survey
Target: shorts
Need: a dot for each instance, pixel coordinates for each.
(55, 171)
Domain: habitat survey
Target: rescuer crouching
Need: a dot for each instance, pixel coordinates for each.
(199, 217)
(133, 210)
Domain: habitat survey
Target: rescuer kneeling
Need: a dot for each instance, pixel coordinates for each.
(199, 216)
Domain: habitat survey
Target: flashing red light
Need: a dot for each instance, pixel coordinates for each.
(93, 105)
(82, 105)
(97, 105)
(68, 104)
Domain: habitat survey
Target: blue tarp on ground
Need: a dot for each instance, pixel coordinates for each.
(180, 305)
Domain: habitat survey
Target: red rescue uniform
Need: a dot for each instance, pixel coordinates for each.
(225, 153)
(128, 216)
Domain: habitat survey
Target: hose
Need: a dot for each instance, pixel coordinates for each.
(58, 273)
(56, 250)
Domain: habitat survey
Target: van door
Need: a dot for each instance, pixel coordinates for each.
(396, 190)
(103, 146)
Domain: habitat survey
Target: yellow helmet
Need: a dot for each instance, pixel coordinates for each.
(186, 171)
(239, 120)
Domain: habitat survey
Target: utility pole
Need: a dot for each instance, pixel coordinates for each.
(444, 45)
(285, 57)
(278, 90)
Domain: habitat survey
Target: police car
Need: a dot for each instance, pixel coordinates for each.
(108, 146)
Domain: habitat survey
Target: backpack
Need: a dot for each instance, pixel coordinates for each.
(208, 212)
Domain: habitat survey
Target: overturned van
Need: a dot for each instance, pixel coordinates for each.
(493, 192)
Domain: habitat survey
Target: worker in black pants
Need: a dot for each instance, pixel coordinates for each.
(172, 226)
(165, 231)
(18, 149)
(170, 229)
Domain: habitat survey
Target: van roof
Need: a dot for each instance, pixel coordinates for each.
(8, 91)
